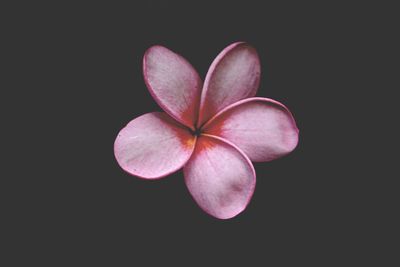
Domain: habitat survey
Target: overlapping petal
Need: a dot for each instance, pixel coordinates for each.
(173, 83)
(233, 75)
(220, 177)
(263, 128)
(153, 146)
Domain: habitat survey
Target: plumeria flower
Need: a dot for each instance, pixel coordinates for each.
(213, 130)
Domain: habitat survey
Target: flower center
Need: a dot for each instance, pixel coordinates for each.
(196, 132)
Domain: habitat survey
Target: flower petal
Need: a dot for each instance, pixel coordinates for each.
(173, 83)
(220, 177)
(234, 75)
(263, 128)
(153, 146)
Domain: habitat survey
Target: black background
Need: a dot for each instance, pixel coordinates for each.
(82, 82)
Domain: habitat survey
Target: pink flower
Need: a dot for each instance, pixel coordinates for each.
(213, 131)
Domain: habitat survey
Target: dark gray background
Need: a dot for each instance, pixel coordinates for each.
(80, 81)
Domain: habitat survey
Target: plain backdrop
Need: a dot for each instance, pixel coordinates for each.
(79, 81)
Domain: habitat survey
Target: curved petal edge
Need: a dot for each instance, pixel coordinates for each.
(233, 75)
(153, 146)
(263, 128)
(220, 177)
(173, 83)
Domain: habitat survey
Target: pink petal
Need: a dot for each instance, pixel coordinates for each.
(234, 75)
(220, 177)
(173, 83)
(263, 128)
(153, 146)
